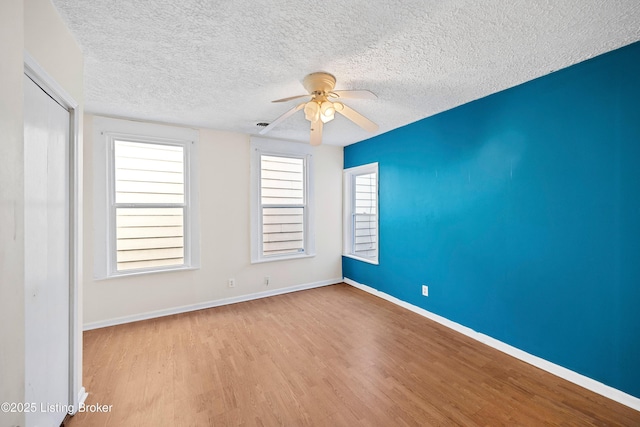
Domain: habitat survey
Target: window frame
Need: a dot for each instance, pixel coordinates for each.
(348, 179)
(280, 148)
(106, 132)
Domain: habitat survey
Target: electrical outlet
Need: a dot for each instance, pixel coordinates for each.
(232, 283)
(267, 280)
(425, 290)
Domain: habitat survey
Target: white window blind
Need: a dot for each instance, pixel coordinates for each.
(149, 204)
(282, 196)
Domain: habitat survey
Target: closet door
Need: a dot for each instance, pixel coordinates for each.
(47, 257)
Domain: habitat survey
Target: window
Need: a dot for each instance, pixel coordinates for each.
(148, 204)
(360, 240)
(281, 223)
(144, 200)
(282, 200)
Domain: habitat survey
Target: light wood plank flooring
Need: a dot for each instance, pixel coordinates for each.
(332, 356)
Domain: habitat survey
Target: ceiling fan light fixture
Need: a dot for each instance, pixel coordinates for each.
(320, 110)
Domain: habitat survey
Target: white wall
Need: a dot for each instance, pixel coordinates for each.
(49, 41)
(11, 210)
(34, 26)
(224, 163)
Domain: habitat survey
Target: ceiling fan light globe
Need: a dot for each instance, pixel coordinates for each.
(311, 111)
(326, 119)
(327, 109)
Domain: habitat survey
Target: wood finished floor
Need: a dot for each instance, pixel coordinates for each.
(332, 356)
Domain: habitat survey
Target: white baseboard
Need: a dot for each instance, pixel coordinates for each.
(557, 370)
(206, 304)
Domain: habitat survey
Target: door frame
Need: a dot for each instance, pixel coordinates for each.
(50, 86)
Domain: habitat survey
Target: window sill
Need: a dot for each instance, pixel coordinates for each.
(144, 272)
(282, 258)
(368, 261)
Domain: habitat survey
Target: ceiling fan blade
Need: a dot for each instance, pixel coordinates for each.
(355, 117)
(281, 118)
(355, 94)
(316, 132)
(291, 98)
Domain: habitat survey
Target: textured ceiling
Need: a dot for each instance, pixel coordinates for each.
(219, 64)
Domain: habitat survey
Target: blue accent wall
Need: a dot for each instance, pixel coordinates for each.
(521, 211)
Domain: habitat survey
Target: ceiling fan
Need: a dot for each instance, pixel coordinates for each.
(321, 108)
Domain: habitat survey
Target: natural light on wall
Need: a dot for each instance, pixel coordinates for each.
(149, 204)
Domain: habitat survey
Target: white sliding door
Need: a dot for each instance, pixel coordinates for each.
(47, 256)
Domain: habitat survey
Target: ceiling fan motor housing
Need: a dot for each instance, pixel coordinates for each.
(320, 83)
